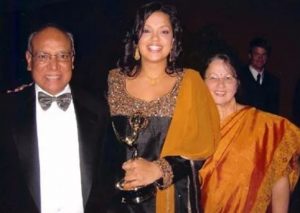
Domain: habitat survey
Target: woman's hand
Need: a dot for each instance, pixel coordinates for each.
(140, 172)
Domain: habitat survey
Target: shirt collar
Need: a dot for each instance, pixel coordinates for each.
(254, 72)
(67, 89)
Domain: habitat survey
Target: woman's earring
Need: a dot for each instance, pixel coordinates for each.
(171, 57)
(137, 54)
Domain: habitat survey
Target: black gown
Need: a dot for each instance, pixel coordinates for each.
(151, 140)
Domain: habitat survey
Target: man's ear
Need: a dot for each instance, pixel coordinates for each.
(73, 59)
(249, 56)
(28, 57)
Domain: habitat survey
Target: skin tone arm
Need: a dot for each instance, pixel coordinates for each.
(281, 195)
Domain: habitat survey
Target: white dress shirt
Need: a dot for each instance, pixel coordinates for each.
(60, 177)
(255, 73)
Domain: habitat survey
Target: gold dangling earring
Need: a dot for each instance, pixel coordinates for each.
(171, 55)
(170, 58)
(137, 54)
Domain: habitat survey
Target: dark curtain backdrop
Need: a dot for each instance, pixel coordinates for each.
(98, 27)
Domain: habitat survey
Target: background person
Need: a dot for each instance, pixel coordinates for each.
(260, 88)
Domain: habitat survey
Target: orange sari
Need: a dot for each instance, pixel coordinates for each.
(255, 150)
(194, 130)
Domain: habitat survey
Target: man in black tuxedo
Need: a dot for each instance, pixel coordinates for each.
(259, 87)
(51, 135)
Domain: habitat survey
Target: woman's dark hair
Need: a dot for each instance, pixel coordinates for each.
(127, 62)
(231, 61)
(227, 60)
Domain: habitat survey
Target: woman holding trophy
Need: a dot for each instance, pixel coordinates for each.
(162, 115)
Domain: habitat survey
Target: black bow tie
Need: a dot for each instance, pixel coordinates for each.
(63, 101)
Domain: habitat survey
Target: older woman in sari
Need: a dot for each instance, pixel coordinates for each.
(253, 169)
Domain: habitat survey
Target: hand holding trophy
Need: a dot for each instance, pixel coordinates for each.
(137, 123)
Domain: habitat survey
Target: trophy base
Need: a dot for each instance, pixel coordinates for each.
(137, 195)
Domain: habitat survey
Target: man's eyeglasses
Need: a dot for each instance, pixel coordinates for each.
(216, 79)
(46, 57)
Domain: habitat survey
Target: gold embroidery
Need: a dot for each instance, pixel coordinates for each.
(167, 173)
(121, 103)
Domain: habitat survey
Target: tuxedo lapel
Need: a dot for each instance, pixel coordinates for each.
(251, 77)
(25, 136)
(266, 79)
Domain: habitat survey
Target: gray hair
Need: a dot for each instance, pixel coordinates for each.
(68, 34)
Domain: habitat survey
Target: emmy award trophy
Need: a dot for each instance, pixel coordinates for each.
(137, 123)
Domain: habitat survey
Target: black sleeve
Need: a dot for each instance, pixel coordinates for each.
(182, 167)
(186, 182)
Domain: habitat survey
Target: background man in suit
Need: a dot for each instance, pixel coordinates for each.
(50, 153)
(259, 87)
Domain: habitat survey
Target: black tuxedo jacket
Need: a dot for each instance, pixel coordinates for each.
(19, 162)
(264, 96)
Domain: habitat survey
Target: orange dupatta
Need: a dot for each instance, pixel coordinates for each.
(194, 130)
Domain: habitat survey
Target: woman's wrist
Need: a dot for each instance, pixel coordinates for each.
(167, 174)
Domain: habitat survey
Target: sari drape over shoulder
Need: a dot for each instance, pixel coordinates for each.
(193, 132)
(255, 150)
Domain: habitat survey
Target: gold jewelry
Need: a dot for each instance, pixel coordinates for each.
(137, 54)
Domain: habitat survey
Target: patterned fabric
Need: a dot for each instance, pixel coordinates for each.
(167, 178)
(121, 103)
(256, 149)
(63, 101)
